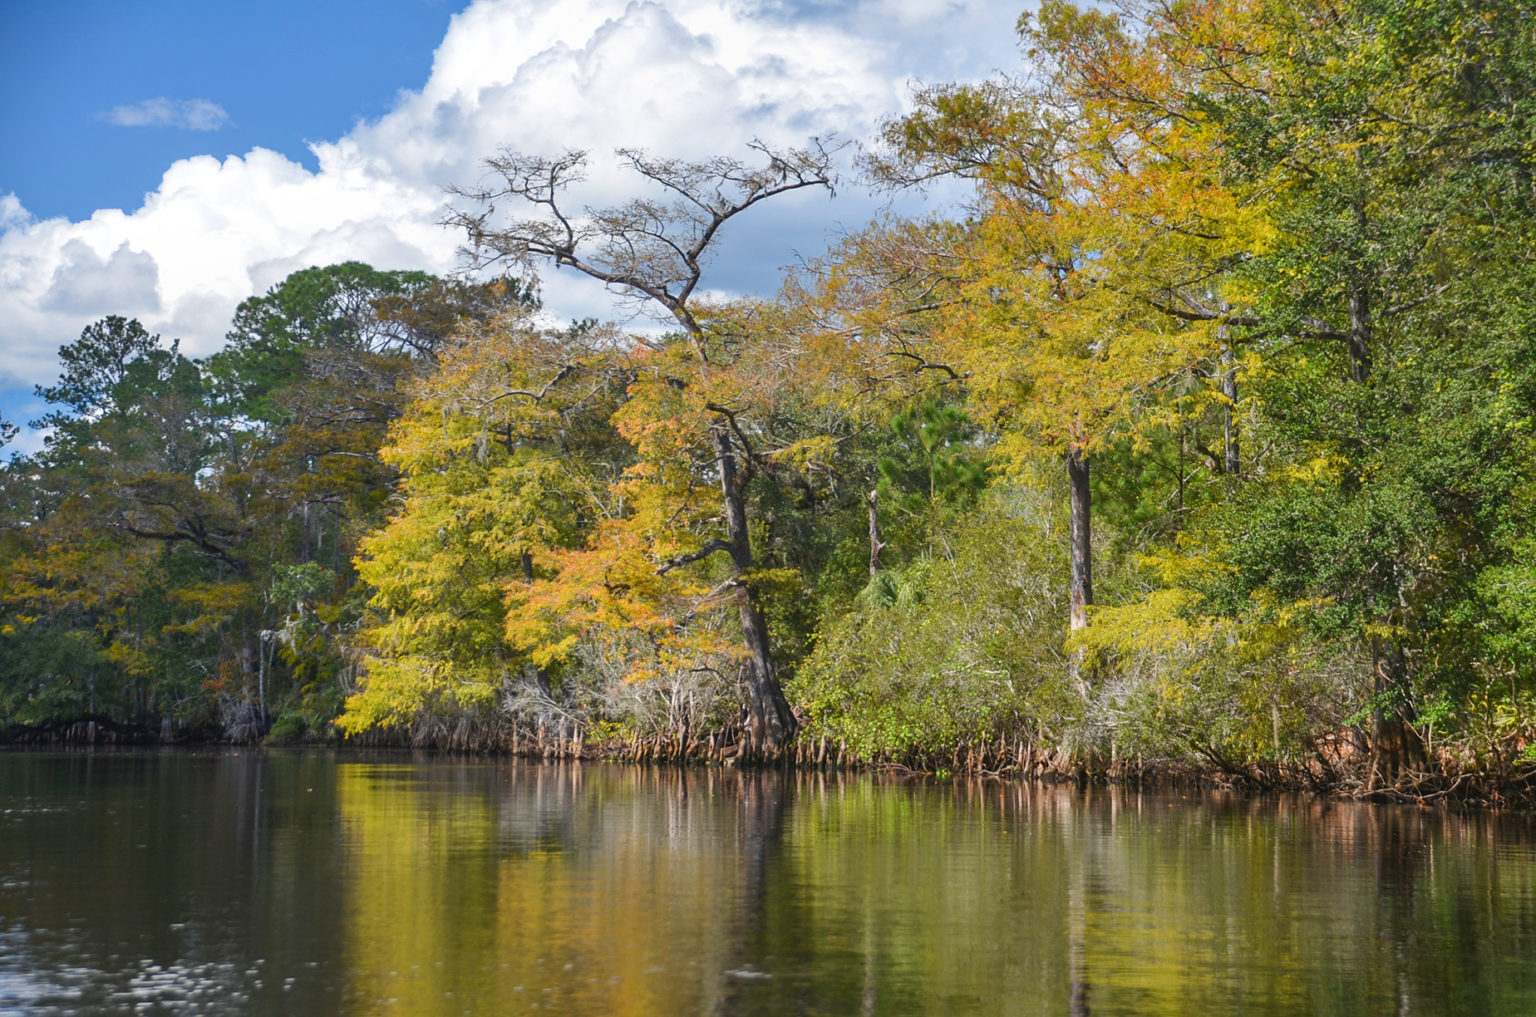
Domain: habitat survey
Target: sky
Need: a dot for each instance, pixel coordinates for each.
(166, 159)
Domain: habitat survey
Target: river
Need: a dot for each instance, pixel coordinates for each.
(327, 884)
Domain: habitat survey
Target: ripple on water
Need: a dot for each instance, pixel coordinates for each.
(143, 986)
(20, 984)
(188, 987)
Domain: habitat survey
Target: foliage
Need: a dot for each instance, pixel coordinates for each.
(1257, 273)
(962, 650)
(491, 498)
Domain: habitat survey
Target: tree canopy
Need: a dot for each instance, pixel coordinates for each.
(1202, 433)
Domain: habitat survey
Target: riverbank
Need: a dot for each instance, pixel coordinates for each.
(1340, 766)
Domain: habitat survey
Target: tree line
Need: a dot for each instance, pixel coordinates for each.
(1202, 436)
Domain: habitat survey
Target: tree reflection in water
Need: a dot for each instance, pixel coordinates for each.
(313, 885)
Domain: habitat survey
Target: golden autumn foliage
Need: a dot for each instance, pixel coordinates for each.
(1256, 273)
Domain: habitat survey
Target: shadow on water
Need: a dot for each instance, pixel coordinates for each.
(760, 799)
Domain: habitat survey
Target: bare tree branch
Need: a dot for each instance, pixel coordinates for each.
(923, 364)
(654, 249)
(709, 548)
(537, 397)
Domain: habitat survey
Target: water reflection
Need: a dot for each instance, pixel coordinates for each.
(147, 884)
(299, 884)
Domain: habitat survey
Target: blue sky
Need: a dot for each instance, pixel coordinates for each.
(165, 160)
(285, 71)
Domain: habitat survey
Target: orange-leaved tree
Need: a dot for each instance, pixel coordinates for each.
(695, 414)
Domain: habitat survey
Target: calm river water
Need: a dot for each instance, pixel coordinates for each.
(293, 884)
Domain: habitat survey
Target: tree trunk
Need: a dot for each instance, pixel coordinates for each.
(1233, 465)
(1081, 539)
(1395, 744)
(876, 545)
(540, 676)
(1359, 341)
(770, 725)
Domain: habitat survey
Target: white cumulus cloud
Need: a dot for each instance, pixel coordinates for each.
(187, 114)
(680, 78)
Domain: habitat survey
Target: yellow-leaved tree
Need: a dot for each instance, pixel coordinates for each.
(1098, 303)
(505, 459)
